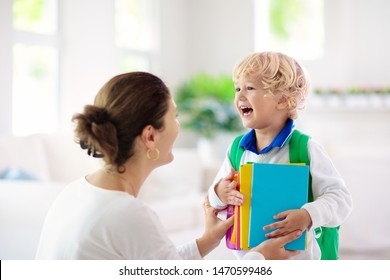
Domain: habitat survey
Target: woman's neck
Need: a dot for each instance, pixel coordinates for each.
(121, 181)
(129, 181)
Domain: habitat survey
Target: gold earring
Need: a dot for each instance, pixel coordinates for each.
(156, 157)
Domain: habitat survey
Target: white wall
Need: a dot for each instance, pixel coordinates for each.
(174, 53)
(357, 40)
(221, 34)
(89, 54)
(202, 35)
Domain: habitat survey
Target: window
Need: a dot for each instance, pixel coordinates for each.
(31, 55)
(136, 34)
(35, 64)
(294, 27)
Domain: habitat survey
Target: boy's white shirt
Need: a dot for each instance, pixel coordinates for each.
(332, 201)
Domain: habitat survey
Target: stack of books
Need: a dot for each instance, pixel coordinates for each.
(268, 189)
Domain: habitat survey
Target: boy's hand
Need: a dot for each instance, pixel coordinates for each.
(292, 220)
(226, 190)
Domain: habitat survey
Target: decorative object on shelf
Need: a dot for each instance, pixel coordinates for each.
(352, 90)
(205, 104)
(361, 97)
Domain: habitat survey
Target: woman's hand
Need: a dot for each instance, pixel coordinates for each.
(215, 229)
(273, 249)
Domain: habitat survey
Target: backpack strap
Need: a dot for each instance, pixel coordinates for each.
(298, 148)
(299, 153)
(327, 238)
(236, 153)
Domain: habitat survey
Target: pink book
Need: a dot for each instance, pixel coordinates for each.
(233, 233)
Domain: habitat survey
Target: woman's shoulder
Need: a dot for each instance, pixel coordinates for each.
(132, 215)
(113, 204)
(128, 208)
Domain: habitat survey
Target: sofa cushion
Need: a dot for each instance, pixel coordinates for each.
(15, 174)
(67, 161)
(180, 213)
(23, 208)
(25, 153)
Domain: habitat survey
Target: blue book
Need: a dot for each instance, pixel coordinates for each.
(276, 188)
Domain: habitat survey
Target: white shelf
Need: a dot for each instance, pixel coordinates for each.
(360, 102)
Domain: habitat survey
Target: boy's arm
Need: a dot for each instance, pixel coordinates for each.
(224, 170)
(332, 200)
(226, 190)
(215, 202)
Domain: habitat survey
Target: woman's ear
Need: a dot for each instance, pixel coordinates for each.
(148, 136)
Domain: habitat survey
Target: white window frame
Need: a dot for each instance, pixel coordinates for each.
(6, 34)
(10, 37)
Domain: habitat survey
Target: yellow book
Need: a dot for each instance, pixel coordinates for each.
(245, 189)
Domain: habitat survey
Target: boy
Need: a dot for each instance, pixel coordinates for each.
(270, 88)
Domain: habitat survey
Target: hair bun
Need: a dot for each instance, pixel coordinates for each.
(98, 115)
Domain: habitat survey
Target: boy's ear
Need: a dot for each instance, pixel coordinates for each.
(282, 103)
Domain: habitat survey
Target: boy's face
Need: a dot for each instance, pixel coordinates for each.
(257, 109)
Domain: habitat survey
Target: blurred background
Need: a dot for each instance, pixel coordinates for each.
(55, 55)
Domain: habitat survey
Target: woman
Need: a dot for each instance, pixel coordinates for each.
(132, 126)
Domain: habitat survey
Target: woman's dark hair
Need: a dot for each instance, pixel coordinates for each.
(122, 108)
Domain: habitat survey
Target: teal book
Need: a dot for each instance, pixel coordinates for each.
(276, 188)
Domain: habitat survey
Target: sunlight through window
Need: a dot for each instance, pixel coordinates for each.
(136, 34)
(35, 89)
(35, 104)
(294, 27)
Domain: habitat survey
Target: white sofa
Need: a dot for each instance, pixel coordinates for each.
(174, 190)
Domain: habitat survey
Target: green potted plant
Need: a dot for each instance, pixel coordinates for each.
(205, 104)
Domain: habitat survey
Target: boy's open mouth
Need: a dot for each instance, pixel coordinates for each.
(246, 111)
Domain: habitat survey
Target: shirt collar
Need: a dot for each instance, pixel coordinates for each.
(248, 141)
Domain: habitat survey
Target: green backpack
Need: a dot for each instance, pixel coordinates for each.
(327, 238)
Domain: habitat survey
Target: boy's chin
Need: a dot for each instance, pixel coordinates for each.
(246, 124)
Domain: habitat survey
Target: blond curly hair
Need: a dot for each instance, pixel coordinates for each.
(280, 75)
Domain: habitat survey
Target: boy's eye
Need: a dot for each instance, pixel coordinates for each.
(250, 88)
(238, 89)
